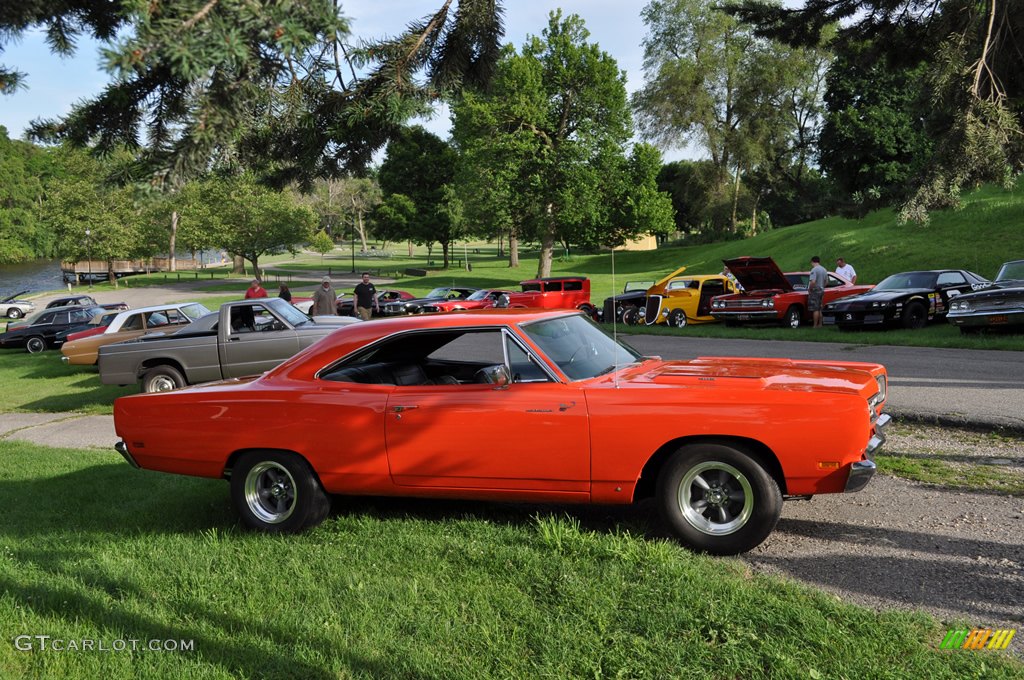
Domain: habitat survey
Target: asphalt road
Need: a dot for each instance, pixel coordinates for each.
(949, 386)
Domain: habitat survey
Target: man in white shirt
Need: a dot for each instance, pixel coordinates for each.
(845, 270)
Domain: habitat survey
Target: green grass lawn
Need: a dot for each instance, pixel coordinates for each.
(91, 549)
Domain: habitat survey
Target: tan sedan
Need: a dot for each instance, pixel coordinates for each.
(129, 325)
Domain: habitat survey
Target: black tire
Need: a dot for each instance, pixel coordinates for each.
(162, 379)
(745, 495)
(15, 313)
(677, 318)
(794, 317)
(277, 492)
(35, 344)
(915, 316)
(588, 310)
(631, 316)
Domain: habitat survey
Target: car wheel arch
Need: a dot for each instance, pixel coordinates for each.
(646, 484)
(233, 457)
(153, 363)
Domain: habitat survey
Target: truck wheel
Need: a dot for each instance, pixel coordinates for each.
(35, 344)
(277, 492)
(162, 379)
(717, 499)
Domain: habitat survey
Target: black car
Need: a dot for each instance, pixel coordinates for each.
(632, 298)
(415, 306)
(907, 299)
(999, 304)
(347, 307)
(84, 301)
(41, 330)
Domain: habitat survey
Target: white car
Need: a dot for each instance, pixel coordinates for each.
(13, 308)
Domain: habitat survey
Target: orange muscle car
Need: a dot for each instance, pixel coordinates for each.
(519, 405)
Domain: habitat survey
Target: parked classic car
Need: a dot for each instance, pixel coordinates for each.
(633, 295)
(681, 300)
(243, 338)
(96, 325)
(13, 308)
(770, 296)
(346, 303)
(415, 305)
(999, 304)
(84, 301)
(907, 299)
(554, 292)
(481, 299)
(591, 421)
(131, 324)
(41, 330)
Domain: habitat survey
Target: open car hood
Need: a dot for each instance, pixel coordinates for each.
(12, 298)
(758, 273)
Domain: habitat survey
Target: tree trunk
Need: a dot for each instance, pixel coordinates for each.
(174, 240)
(444, 251)
(501, 240)
(256, 273)
(753, 215)
(735, 200)
(237, 264)
(513, 249)
(547, 245)
(410, 248)
(110, 272)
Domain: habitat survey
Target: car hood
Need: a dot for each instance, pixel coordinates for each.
(13, 298)
(413, 301)
(777, 374)
(758, 273)
(996, 289)
(881, 296)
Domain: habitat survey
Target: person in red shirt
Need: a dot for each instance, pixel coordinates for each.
(255, 290)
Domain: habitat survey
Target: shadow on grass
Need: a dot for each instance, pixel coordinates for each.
(104, 602)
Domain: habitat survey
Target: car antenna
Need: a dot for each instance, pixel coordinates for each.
(615, 325)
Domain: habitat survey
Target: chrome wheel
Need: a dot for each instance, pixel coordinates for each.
(715, 498)
(677, 318)
(162, 383)
(270, 492)
(14, 313)
(35, 345)
(793, 318)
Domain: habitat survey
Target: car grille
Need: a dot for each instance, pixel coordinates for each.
(652, 310)
(745, 303)
(609, 310)
(996, 304)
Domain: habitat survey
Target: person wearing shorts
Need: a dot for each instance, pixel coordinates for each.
(816, 290)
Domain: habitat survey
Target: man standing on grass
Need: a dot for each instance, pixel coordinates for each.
(816, 290)
(366, 297)
(325, 302)
(255, 290)
(846, 270)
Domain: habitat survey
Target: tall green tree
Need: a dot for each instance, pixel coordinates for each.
(419, 165)
(975, 69)
(23, 236)
(281, 84)
(711, 82)
(551, 135)
(253, 220)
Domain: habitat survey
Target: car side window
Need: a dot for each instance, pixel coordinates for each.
(833, 281)
(951, 279)
(44, 320)
(573, 285)
(553, 286)
(132, 323)
(523, 366)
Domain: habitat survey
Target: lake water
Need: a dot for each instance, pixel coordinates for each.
(34, 276)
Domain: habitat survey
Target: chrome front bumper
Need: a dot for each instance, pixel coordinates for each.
(862, 471)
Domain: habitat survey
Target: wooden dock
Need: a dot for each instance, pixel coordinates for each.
(99, 270)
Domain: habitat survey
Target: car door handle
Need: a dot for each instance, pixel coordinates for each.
(400, 409)
(566, 407)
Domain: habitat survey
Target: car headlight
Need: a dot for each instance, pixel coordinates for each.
(768, 302)
(641, 312)
(883, 384)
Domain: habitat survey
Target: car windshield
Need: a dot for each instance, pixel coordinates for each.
(579, 347)
(293, 316)
(479, 295)
(908, 280)
(438, 293)
(1011, 271)
(194, 311)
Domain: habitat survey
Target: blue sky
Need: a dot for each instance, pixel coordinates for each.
(54, 85)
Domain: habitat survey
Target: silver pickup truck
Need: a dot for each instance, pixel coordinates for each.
(244, 338)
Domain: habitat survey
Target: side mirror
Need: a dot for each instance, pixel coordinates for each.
(497, 375)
